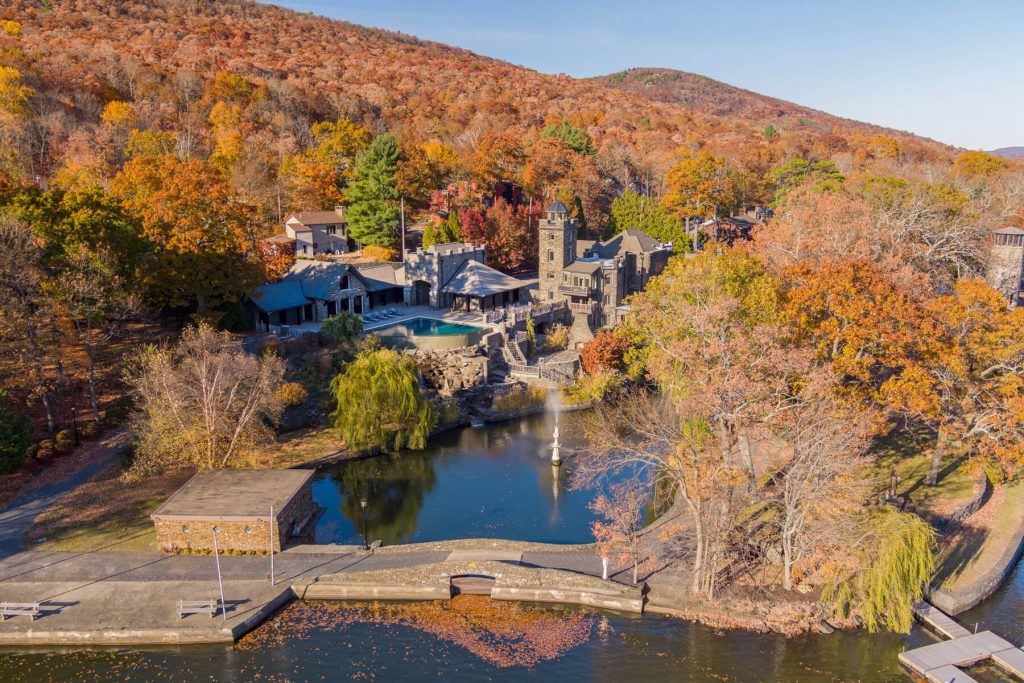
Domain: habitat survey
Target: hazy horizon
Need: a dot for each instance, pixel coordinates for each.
(944, 70)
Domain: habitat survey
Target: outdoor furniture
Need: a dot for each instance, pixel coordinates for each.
(19, 609)
(211, 607)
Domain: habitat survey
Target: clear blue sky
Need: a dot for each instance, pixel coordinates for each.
(949, 70)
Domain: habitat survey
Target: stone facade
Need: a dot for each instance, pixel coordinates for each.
(427, 270)
(1006, 264)
(452, 372)
(237, 533)
(594, 278)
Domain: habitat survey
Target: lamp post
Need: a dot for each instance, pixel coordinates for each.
(271, 523)
(220, 580)
(362, 508)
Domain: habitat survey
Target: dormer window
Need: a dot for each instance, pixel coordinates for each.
(343, 282)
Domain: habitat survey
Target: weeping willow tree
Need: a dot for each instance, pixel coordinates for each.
(891, 564)
(379, 403)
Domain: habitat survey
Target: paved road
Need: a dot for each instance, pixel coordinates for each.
(17, 518)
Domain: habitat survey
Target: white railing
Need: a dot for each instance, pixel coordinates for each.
(587, 308)
(524, 369)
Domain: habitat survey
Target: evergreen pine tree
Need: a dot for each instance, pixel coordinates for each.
(15, 435)
(430, 235)
(451, 229)
(373, 211)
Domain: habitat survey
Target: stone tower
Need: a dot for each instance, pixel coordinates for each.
(557, 240)
(1006, 264)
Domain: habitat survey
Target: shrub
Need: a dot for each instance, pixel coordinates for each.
(15, 436)
(379, 253)
(64, 440)
(45, 450)
(606, 351)
(520, 398)
(118, 411)
(272, 347)
(343, 327)
(592, 387)
(89, 430)
(557, 338)
(291, 394)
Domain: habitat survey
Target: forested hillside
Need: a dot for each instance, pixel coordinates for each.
(145, 147)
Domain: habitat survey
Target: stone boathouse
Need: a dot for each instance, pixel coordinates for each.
(237, 502)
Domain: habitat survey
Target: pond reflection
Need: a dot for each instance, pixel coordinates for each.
(473, 483)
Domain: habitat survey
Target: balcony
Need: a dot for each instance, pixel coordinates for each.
(586, 308)
(574, 290)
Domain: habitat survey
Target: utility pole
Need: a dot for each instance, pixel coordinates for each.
(402, 203)
(220, 580)
(271, 545)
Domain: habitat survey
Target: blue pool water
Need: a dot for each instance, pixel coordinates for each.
(427, 327)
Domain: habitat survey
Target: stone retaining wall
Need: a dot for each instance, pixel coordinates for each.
(955, 602)
(980, 495)
(451, 372)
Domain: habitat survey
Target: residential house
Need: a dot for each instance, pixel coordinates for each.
(319, 232)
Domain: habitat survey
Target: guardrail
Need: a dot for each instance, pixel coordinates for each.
(575, 290)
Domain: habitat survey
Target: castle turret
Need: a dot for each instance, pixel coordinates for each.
(557, 248)
(1006, 264)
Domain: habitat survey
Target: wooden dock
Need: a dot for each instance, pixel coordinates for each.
(940, 662)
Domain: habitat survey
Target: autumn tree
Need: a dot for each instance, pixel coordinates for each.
(27, 322)
(818, 482)
(328, 166)
(96, 302)
(200, 228)
(623, 510)
(976, 163)
(373, 213)
(203, 402)
(700, 185)
(424, 168)
(606, 351)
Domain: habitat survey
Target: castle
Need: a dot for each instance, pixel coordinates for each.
(594, 278)
(1006, 264)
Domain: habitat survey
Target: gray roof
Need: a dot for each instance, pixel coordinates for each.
(381, 276)
(582, 246)
(318, 217)
(318, 279)
(476, 279)
(233, 494)
(583, 266)
(1011, 230)
(558, 207)
(630, 241)
(279, 296)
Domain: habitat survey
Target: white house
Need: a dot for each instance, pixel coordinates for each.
(319, 232)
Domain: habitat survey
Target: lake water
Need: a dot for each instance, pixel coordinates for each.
(493, 482)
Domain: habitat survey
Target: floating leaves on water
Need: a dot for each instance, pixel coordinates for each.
(504, 634)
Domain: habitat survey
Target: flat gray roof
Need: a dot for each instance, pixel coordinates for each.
(233, 495)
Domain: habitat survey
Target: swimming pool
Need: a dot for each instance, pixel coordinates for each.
(429, 333)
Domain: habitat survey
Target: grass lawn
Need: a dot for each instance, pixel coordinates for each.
(300, 446)
(910, 454)
(980, 542)
(105, 513)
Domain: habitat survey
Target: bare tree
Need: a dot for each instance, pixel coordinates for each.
(817, 481)
(203, 403)
(645, 435)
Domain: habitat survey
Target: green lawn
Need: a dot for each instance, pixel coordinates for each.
(980, 543)
(909, 453)
(106, 513)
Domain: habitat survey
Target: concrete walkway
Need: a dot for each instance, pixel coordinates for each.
(108, 597)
